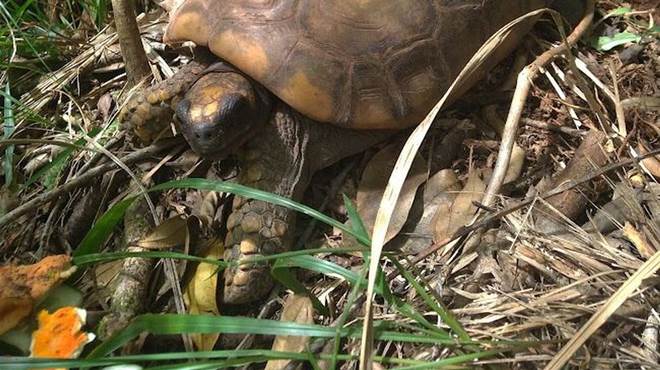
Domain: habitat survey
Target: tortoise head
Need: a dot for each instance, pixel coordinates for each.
(220, 111)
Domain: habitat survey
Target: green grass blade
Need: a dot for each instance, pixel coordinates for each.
(172, 324)
(106, 223)
(15, 363)
(102, 229)
(446, 315)
(57, 164)
(8, 129)
(333, 270)
(247, 192)
(356, 221)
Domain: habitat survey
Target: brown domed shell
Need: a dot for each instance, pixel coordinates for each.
(363, 64)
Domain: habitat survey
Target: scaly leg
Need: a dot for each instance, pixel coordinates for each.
(280, 159)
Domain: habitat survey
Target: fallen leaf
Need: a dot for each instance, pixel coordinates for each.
(106, 273)
(200, 295)
(297, 308)
(22, 286)
(639, 240)
(105, 105)
(59, 335)
(652, 164)
(417, 233)
(169, 234)
(373, 183)
(449, 218)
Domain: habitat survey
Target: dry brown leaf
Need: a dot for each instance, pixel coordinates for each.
(650, 163)
(200, 295)
(169, 234)
(372, 186)
(106, 273)
(639, 241)
(105, 105)
(449, 218)
(417, 233)
(22, 286)
(297, 308)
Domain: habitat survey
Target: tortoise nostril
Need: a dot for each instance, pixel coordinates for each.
(205, 132)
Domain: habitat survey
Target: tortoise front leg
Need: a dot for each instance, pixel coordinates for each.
(151, 110)
(273, 161)
(281, 159)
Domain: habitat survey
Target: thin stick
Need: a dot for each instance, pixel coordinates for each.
(525, 79)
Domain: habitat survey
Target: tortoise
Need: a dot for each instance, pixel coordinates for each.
(295, 85)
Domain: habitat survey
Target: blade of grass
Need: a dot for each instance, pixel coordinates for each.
(356, 221)
(103, 228)
(58, 162)
(8, 129)
(445, 315)
(334, 270)
(244, 191)
(172, 324)
(106, 223)
(15, 363)
(281, 271)
(92, 258)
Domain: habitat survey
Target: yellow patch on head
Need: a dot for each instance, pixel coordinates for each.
(242, 51)
(300, 93)
(195, 113)
(211, 108)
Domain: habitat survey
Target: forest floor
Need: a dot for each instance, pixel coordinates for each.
(561, 270)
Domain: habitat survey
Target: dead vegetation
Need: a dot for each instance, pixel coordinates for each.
(562, 265)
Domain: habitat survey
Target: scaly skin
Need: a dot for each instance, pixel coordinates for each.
(150, 111)
(273, 161)
(280, 159)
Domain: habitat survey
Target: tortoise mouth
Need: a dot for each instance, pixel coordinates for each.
(210, 141)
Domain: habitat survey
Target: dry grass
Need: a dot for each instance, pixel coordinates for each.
(585, 289)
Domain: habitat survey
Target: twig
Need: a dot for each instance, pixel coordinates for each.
(85, 178)
(525, 78)
(547, 126)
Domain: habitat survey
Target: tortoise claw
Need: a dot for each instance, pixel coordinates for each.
(148, 112)
(255, 229)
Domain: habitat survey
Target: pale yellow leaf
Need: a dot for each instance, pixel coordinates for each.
(450, 217)
(200, 295)
(299, 309)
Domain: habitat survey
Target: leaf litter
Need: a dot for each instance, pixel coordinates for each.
(540, 273)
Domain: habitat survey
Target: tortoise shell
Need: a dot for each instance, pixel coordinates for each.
(363, 64)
